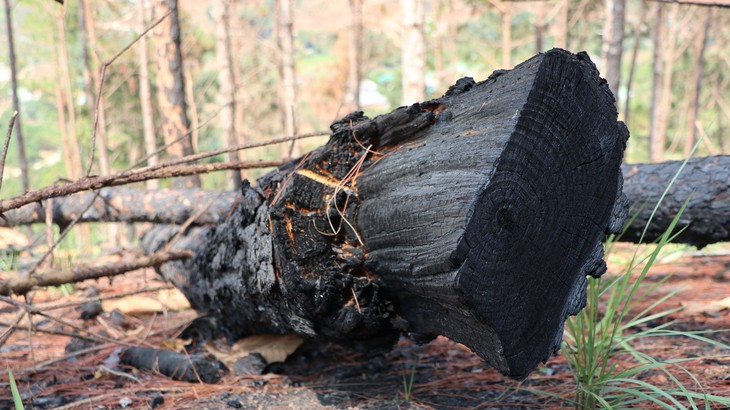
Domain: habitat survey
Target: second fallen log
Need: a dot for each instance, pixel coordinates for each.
(476, 216)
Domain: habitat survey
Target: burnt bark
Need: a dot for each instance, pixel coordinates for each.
(124, 204)
(705, 220)
(477, 216)
(704, 181)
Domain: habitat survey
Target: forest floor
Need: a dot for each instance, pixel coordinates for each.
(441, 374)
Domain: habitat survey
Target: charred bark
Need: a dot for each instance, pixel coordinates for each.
(476, 216)
(703, 182)
(705, 220)
(123, 204)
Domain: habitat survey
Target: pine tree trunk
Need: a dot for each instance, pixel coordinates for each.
(634, 54)
(506, 35)
(226, 81)
(696, 83)
(413, 52)
(561, 25)
(91, 84)
(287, 75)
(145, 99)
(22, 161)
(613, 42)
(657, 139)
(171, 87)
(354, 57)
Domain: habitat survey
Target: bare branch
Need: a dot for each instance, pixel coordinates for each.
(129, 205)
(6, 145)
(139, 175)
(21, 284)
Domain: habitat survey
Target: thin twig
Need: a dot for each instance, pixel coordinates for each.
(21, 285)
(31, 310)
(9, 331)
(125, 178)
(6, 145)
(46, 308)
(99, 91)
(202, 155)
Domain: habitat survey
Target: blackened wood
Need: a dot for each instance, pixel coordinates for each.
(190, 368)
(705, 221)
(476, 216)
(705, 181)
(124, 204)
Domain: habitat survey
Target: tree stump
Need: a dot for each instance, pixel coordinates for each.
(476, 216)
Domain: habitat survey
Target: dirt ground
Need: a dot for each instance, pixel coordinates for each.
(440, 375)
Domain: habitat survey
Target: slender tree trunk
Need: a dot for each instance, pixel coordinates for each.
(65, 143)
(65, 93)
(634, 53)
(613, 42)
(354, 56)
(561, 25)
(65, 76)
(226, 82)
(719, 108)
(540, 27)
(665, 103)
(171, 87)
(413, 52)
(91, 84)
(656, 138)
(694, 97)
(240, 43)
(145, 100)
(22, 161)
(287, 74)
(506, 35)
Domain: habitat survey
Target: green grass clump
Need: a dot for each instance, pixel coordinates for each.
(596, 339)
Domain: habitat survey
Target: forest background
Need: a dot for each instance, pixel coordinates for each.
(257, 69)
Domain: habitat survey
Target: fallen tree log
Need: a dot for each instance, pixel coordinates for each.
(705, 220)
(476, 216)
(704, 181)
(125, 204)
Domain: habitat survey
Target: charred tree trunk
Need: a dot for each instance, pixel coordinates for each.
(476, 216)
(704, 181)
(705, 220)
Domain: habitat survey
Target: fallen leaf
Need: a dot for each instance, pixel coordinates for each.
(273, 348)
(169, 299)
(712, 306)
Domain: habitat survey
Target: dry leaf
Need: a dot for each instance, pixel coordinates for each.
(274, 348)
(712, 306)
(169, 299)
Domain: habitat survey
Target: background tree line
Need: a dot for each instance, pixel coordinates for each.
(224, 72)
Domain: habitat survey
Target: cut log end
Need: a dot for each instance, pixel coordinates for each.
(537, 228)
(477, 216)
